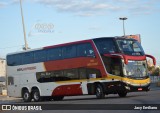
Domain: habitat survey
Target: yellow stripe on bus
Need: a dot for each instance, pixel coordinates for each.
(128, 80)
(81, 80)
(110, 78)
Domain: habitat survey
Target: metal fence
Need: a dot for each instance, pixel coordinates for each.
(154, 79)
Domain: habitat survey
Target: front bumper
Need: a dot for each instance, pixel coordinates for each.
(132, 88)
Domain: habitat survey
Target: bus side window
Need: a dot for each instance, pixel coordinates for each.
(54, 54)
(71, 74)
(10, 81)
(10, 60)
(84, 50)
(69, 51)
(82, 73)
(39, 56)
(14, 60)
(57, 75)
(106, 46)
(93, 73)
(27, 58)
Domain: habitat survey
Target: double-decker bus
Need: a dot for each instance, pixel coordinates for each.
(100, 66)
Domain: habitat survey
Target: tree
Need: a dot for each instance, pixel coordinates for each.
(156, 72)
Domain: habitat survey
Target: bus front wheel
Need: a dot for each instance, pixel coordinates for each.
(26, 96)
(100, 92)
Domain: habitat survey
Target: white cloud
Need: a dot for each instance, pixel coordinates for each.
(78, 7)
(99, 7)
(2, 4)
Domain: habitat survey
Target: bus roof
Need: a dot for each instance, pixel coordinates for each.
(65, 44)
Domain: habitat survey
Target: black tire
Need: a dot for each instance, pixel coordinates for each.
(26, 96)
(36, 95)
(122, 94)
(58, 98)
(99, 92)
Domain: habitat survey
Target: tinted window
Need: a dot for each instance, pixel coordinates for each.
(85, 50)
(106, 46)
(14, 60)
(51, 76)
(10, 81)
(130, 47)
(69, 51)
(40, 56)
(27, 58)
(61, 75)
(54, 54)
(71, 74)
(93, 73)
(68, 74)
(10, 60)
(18, 59)
(44, 76)
(82, 73)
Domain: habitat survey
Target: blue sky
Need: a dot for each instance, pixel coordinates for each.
(73, 20)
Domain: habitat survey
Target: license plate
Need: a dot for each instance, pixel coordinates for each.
(139, 89)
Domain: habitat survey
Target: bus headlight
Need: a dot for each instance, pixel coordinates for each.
(128, 82)
(127, 87)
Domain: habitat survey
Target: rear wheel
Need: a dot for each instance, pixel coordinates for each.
(36, 95)
(26, 96)
(100, 92)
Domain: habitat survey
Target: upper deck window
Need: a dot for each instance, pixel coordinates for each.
(27, 58)
(51, 54)
(54, 53)
(106, 45)
(85, 50)
(69, 51)
(40, 56)
(130, 47)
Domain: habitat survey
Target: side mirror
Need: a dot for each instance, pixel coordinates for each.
(152, 57)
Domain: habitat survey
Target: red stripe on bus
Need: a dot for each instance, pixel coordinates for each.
(67, 90)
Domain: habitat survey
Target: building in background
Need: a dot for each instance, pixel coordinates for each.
(2, 74)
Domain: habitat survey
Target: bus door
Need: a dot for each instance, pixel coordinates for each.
(113, 65)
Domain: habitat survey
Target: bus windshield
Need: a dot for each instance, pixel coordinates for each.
(130, 47)
(135, 69)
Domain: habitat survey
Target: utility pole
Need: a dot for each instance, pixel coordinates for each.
(24, 32)
(123, 19)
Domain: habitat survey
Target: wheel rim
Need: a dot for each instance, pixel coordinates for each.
(98, 92)
(36, 96)
(26, 96)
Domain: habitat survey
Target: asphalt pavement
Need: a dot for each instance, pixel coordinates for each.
(137, 98)
(7, 99)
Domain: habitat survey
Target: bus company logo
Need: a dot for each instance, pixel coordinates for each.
(21, 107)
(26, 68)
(6, 107)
